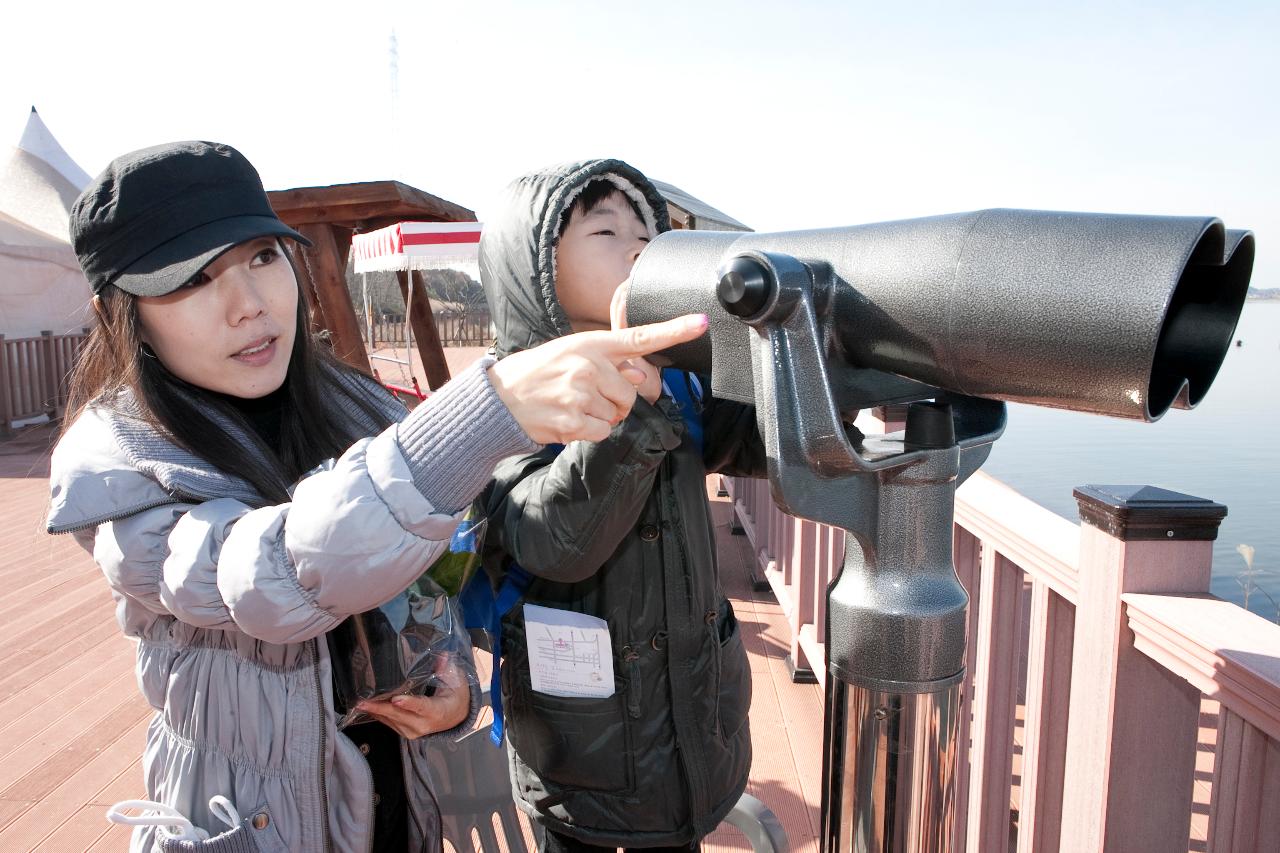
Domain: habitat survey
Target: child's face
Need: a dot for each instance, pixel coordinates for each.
(232, 329)
(594, 256)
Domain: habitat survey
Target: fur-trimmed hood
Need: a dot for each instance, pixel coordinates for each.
(517, 246)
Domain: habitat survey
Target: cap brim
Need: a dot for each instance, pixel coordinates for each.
(173, 264)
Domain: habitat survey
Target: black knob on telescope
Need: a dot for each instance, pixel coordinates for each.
(745, 287)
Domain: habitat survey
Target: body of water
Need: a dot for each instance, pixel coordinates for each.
(1227, 449)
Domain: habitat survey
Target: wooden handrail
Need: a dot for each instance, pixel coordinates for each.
(1226, 652)
(1039, 541)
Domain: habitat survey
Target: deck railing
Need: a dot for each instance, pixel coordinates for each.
(1101, 677)
(456, 328)
(33, 375)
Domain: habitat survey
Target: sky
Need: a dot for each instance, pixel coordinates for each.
(783, 115)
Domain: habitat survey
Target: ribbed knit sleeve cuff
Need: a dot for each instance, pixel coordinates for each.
(465, 727)
(455, 437)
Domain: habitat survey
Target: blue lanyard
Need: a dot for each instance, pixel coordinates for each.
(513, 587)
(687, 395)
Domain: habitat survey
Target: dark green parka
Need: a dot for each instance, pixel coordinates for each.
(621, 530)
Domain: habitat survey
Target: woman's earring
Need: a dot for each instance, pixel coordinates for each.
(146, 351)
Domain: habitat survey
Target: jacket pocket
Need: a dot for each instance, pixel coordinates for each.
(255, 834)
(573, 742)
(733, 678)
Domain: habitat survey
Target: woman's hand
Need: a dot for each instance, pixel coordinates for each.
(580, 386)
(417, 716)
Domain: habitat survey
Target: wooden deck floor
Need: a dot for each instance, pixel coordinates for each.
(72, 723)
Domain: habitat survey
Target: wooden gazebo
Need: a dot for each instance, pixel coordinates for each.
(328, 217)
(688, 211)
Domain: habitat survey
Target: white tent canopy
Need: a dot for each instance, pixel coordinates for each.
(416, 246)
(39, 142)
(41, 285)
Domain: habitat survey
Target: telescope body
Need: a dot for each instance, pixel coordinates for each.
(1114, 314)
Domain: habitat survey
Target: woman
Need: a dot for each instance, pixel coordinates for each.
(197, 408)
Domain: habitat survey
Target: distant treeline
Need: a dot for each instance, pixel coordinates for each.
(1261, 293)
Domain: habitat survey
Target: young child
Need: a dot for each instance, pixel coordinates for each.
(198, 406)
(620, 530)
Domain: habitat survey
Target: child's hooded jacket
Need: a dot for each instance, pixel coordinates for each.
(621, 530)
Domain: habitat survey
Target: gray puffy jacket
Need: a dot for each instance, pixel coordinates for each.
(230, 603)
(621, 530)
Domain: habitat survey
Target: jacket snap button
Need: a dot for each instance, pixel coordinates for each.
(649, 532)
(260, 820)
(364, 749)
(377, 798)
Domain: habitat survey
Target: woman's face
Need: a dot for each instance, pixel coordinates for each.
(230, 330)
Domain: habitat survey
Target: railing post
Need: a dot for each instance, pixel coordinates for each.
(48, 375)
(6, 386)
(1131, 738)
(995, 701)
(802, 577)
(762, 510)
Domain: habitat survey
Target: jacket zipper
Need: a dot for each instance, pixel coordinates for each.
(58, 530)
(407, 761)
(632, 659)
(368, 771)
(694, 770)
(324, 763)
(710, 617)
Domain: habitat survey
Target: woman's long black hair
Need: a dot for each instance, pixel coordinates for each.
(313, 426)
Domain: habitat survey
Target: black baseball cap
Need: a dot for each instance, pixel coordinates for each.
(156, 217)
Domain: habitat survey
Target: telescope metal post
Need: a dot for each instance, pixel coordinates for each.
(890, 762)
(896, 615)
(889, 745)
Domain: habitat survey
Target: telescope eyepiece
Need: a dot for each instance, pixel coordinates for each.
(744, 288)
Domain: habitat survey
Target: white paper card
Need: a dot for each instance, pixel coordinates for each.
(569, 653)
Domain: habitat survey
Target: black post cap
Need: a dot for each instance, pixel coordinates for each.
(1132, 513)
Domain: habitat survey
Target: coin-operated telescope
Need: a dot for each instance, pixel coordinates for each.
(1118, 315)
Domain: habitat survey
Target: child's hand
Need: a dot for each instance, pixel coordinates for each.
(651, 387)
(417, 716)
(618, 306)
(580, 386)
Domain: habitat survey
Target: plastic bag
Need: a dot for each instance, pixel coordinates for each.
(409, 644)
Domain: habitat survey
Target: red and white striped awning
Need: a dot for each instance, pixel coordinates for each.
(417, 245)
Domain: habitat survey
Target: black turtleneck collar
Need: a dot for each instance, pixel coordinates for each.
(264, 414)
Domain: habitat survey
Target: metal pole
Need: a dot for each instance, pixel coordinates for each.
(895, 646)
(895, 627)
(890, 769)
(368, 314)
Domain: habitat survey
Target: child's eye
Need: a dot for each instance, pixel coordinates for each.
(608, 232)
